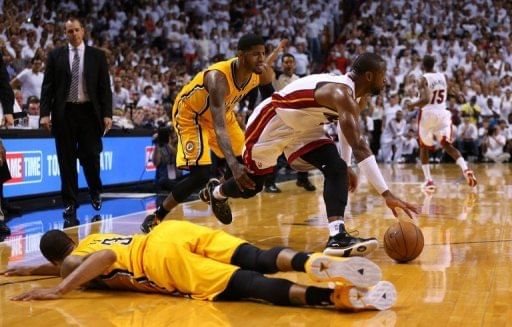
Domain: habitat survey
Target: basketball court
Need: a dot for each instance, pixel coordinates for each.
(462, 278)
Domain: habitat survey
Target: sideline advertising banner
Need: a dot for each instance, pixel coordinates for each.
(35, 169)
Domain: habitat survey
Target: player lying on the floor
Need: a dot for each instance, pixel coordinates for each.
(206, 264)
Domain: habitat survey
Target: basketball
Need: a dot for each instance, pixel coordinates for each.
(403, 241)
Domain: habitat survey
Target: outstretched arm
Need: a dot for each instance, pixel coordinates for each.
(76, 271)
(217, 86)
(46, 269)
(268, 75)
(337, 96)
(424, 95)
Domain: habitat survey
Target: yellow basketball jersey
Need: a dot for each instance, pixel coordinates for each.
(127, 272)
(192, 104)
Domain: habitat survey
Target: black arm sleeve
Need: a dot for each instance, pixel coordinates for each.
(266, 90)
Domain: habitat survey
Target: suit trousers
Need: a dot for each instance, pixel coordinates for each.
(79, 137)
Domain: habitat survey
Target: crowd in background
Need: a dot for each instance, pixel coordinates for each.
(155, 47)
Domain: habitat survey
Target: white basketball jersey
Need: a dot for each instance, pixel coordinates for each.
(296, 106)
(438, 91)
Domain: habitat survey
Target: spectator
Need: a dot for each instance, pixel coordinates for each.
(495, 143)
(467, 138)
(410, 148)
(472, 110)
(148, 99)
(393, 136)
(33, 112)
(120, 95)
(30, 80)
(506, 103)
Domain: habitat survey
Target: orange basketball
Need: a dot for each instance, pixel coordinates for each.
(403, 241)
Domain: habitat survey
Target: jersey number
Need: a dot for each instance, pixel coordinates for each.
(117, 240)
(437, 97)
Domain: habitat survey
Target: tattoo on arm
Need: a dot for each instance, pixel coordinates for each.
(218, 88)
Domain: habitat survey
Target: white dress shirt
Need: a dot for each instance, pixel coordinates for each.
(82, 92)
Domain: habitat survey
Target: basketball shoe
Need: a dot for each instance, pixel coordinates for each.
(382, 296)
(356, 271)
(470, 177)
(220, 208)
(345, 245)
(150, 222)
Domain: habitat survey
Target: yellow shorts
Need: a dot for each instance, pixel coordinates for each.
(191, 259)
(196, 137)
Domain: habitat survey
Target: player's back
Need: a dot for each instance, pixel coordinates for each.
(127, 272)
(438, 90)
(296, 105)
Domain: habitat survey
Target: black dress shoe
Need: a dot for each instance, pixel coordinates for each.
(4, 230)
(69, 212)
(306, 184)
(272, 189)
(96, 202)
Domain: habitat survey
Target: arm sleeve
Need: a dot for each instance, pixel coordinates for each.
(345, 148)
(266, 90)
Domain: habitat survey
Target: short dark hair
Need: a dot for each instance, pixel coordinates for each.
(75, 19)
(367, 61)
(247, 41)
(428, 62)
(55, 245)
(287, 55)
(32, 99)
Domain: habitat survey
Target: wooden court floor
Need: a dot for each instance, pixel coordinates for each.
(462, 278)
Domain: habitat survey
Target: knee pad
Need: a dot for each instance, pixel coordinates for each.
(334, 168)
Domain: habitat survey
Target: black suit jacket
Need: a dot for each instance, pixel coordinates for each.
(6, 93)
(57, 81)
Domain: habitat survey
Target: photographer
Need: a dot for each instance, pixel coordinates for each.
(164, 159)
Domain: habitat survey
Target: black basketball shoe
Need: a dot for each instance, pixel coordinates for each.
(150, 222)
(220, 208)
(345, 245)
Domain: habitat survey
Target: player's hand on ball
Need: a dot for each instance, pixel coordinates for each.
(393, 203)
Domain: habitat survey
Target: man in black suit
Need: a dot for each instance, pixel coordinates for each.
(7, 100)
(76, 91)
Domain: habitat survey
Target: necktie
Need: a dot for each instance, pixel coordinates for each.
(75, 69)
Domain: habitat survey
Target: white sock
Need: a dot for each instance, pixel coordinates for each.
(217, 194)
(462, 164)
(335, 227)
(426, 172)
